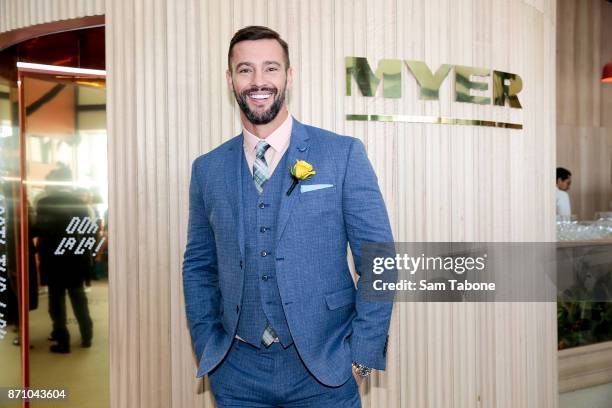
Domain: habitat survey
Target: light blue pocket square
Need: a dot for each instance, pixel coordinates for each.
(304, 188)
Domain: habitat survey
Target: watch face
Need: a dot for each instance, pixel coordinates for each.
(362, 370)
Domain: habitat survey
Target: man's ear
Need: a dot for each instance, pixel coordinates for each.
(289, 77)
(228, 78)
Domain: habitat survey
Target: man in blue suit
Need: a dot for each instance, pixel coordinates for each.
(274, 315)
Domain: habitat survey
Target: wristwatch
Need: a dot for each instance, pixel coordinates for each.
(362, 370)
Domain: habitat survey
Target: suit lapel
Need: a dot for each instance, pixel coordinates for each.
(298, 150)
(233, 170)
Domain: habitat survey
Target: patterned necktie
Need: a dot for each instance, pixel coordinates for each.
(269, 335)
(260, 167)
(260, 176)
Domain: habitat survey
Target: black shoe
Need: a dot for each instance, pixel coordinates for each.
(56, 348)
(51, 338)
(86, 343)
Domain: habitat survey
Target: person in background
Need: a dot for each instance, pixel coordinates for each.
(67, 270)
(564, 180)
(87, 197)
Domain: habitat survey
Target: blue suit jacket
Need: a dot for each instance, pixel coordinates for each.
(330, 322)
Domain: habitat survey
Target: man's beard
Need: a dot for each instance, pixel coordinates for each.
(264, 117)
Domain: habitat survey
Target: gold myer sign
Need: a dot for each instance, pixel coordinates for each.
(504, 91)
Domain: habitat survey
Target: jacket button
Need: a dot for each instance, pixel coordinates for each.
(264, 278)
(264, 253)
(263, 229)
(262, 205)
(237, 309)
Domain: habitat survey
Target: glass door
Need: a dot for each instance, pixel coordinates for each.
(64, 261)
(10, 351)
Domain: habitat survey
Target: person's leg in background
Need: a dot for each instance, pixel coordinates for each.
(57, 311)
(80, 307)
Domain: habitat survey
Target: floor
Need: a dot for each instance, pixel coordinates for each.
(596, 397)
(84, 373)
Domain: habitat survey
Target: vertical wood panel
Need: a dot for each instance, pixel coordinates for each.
(583, 103)
(24, 13)
(123, 207)
(606, 57)
(578, 62)
(606, 90)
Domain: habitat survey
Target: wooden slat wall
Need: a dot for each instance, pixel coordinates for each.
(606, 56)
(606, 90)
(584, 104)
(168, 103)
(24, 13)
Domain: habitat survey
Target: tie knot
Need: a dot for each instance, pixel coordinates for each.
(261, 148)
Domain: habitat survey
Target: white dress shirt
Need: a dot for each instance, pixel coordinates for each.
(278, 141)
(563, 203)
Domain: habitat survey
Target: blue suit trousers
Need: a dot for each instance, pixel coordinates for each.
(274, 377)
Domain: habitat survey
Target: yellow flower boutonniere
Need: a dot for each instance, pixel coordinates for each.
(301, 170)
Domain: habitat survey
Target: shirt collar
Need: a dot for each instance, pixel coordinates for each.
(278, 140)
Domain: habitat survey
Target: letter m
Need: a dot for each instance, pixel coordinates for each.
(388, 71)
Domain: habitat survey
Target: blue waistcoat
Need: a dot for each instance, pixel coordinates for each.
(261, 301)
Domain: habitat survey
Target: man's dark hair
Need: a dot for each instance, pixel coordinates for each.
(252, 33)
(562, 173)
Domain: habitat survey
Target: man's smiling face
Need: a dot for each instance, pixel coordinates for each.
(259, 79)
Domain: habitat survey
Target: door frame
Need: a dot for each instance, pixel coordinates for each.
(13, 37)
(41, 70)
